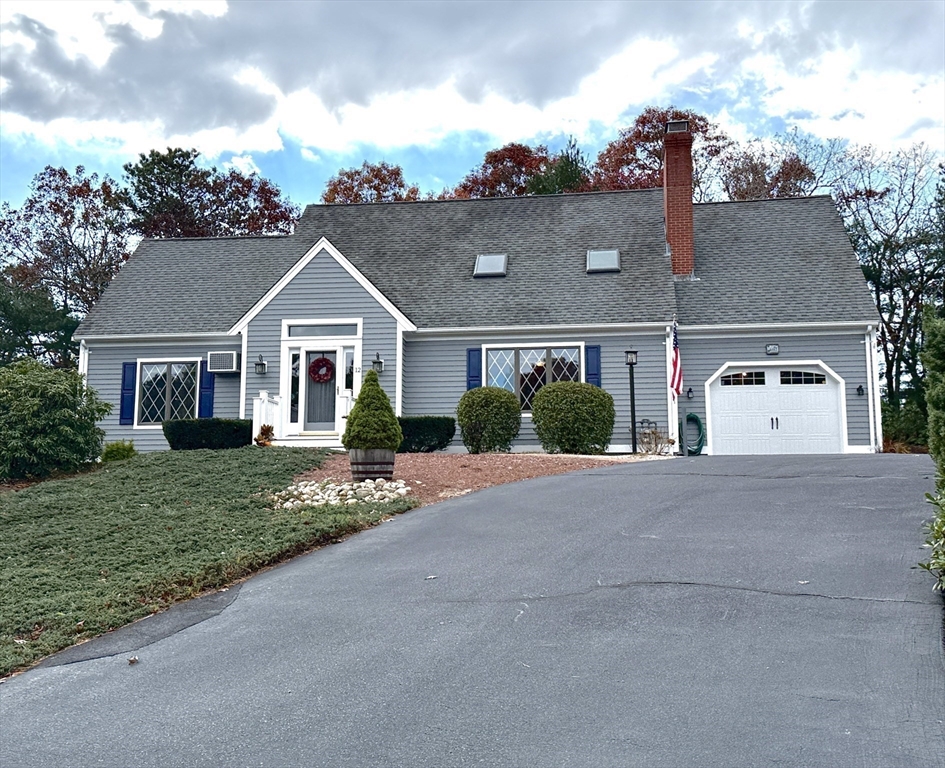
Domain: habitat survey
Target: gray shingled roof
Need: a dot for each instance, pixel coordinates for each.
(199, 285)
(421, 256)
(758, 262)
(773, 261)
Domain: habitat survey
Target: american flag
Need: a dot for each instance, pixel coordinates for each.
(675, 379)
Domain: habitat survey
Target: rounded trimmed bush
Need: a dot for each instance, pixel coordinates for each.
(47, 420)
(119, 450)
(372, 423)
(571, 417)
(489, 419)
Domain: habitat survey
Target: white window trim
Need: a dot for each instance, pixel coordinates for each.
(359, 322)
(307, 342)
(484, 375)
(150, 360)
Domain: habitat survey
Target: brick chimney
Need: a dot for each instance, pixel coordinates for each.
(677, 195)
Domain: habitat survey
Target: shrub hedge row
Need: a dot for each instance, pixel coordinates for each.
(425, 434)
(192, 434)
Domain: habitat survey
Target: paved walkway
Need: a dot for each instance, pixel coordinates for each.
(694, 612)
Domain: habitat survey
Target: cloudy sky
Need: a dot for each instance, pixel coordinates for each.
(298, 90)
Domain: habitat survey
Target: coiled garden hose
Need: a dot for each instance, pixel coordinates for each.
(695, 449)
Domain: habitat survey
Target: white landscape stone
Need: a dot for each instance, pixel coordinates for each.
(313, 493)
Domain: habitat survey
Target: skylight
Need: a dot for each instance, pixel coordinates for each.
(491, 265)
(603, 261)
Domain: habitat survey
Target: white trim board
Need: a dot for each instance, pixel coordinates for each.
(617, 329)
(157, 338)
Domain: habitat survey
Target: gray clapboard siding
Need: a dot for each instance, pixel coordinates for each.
(435, 375)
(844, 353)
(104, 376)
(322, 290)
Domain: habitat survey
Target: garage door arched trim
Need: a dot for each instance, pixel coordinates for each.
(833, 379)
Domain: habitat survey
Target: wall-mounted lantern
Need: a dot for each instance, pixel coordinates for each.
(377, 364)
(690, 394)
(860, 391)
(260, 366)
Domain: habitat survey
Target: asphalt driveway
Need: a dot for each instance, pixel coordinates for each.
(687, 612)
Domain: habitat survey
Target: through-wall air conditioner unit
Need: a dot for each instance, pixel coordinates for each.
(223, 362)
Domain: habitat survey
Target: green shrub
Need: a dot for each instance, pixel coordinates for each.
(936, 540)
(372, 423)
(933, 358)
(216, 434)
(47, 421)
(425, 434)
(906, 426)
(571, 417)
(119, 450)
(489, 419)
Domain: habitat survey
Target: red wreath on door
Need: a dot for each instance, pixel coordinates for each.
(321, 370)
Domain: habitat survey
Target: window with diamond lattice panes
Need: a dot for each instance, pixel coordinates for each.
(168, 391)
(525, 371)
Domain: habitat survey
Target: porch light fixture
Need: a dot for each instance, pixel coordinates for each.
(859, 390)
(631, 361)
(377, 364)
(260, 366)
(690, 394)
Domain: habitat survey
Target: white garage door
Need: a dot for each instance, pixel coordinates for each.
(770, 410)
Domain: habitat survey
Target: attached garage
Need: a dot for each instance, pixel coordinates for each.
(791, 407)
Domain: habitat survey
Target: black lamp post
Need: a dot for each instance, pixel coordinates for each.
(631, 361)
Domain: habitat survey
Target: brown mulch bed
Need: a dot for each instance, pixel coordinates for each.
(433, 477)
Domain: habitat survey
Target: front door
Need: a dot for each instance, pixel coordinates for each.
(321, 390)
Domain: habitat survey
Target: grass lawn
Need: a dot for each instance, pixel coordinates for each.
(87, 554)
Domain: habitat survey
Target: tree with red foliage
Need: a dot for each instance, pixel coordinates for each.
(504, 172)
(791, 164)
(634, 160)
(68, 239)
(169, 195)
(371, 183)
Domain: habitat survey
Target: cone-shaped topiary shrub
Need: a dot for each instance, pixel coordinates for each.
(372, 423)
(571, 417)
(489, 419)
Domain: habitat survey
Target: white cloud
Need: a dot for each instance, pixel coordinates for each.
(842, 94)
(848, 100)
(243, 163)
(80, 25)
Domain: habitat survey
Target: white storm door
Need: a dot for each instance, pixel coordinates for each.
(324, 388)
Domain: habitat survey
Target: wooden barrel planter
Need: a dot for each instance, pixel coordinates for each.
(371, 464)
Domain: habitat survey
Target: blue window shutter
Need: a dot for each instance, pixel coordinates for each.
(473, 367)
(126, 410)
(205, 407)
(592, 364)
